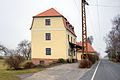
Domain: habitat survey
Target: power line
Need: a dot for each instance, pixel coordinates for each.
(108, 0)
(98, 23)
(105, 6)
(91, 21)
(76, 6)
(98, 15)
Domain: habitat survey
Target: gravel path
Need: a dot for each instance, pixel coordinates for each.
(61, 72)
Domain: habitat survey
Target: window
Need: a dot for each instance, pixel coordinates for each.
(68, 37)
(74, 53)
(48, 36)
(74, 40)
(70, 27)
(73, 29)
(67, 25)
(42, 62)
(68, 52)
(48, 51)
(47, 21)
(71, 39)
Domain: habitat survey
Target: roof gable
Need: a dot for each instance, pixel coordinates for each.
(68, 28)
(50, 12)
(53, 13)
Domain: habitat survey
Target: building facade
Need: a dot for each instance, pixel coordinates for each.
(79, 52)
(51, 37)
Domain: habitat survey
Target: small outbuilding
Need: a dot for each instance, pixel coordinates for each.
(79, 52)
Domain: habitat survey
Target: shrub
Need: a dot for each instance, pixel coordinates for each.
(93, 58)
(1, 57)
(52, 63)
(115, 60)
(118, 57)
(84, 63)
(28, 65)
(14, 61)
(41, 66)
(61, 60)
(97, 57)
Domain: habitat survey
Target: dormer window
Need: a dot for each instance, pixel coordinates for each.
(70, 27)
(67, 24)
(73, 29)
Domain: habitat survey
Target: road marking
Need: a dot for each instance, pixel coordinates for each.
(95, 71)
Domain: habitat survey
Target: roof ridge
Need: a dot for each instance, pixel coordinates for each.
(49, 12)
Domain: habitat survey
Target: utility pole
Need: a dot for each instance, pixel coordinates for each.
(84, 30)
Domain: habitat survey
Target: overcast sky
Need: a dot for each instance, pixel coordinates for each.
(16, 18)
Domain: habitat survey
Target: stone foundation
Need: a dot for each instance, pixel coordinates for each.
(43, 61)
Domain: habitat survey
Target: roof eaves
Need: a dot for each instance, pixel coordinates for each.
(46, 16)
(32, 24)
(64, 21)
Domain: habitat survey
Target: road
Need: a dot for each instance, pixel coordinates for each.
(106, 70)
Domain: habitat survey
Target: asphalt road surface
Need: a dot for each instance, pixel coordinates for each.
(107, 71)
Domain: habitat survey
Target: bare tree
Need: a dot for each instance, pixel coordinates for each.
(24, 48)
(90, 39)
(113, 39)
(3, 50)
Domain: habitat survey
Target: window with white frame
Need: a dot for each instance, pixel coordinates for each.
(48, 51)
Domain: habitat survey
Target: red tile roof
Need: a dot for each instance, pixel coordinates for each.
(65, 21)
(53, 12)
(50, 12)
(90, 48)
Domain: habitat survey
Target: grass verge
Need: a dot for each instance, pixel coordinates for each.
(11, 74)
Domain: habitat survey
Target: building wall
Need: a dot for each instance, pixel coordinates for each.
(57, 42)
(79, 54)
(56, 23)
(67, 43)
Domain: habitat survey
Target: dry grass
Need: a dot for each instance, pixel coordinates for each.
(11, 74)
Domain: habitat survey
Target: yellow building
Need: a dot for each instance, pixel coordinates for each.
(52, 37)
